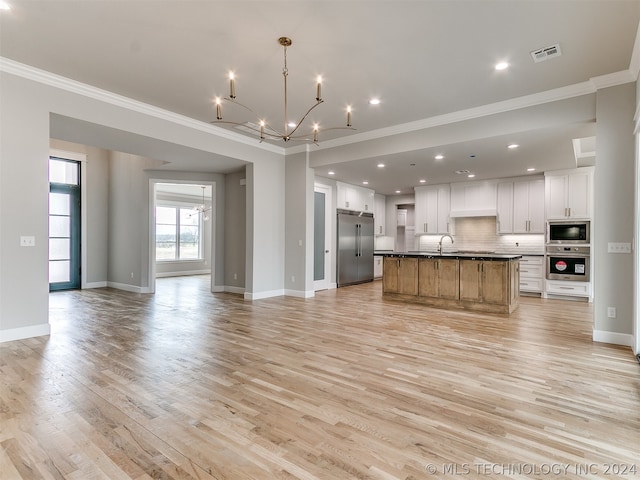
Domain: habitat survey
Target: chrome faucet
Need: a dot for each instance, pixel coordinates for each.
(440, 242)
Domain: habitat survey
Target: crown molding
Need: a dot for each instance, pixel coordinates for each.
(612, 79)
(63, 83)
(562, 93)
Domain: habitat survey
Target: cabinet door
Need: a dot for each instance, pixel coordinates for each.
(505, 207)
(448, 278)
(579, 195)
(470, 280)
(379, 214)
(520, 207)
(366, 199)
(431, 226)
(408, 276)
(423, 198)
(495, 282)
(390, 275)
(536, 206)
(428, 277)
(556, 196)
(444, 200)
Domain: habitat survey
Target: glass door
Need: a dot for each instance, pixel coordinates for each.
(64, 224)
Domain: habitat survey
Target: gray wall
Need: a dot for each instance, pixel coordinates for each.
(614, 191)
(235, 229)
(299, 221)
(265, 228)
(27, 107)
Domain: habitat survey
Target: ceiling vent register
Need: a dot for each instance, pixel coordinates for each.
(546, 53)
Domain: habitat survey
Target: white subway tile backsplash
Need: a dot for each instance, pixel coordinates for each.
(479, 233)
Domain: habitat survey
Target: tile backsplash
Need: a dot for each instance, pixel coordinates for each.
(479, 233)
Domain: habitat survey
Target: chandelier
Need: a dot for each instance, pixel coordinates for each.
(291, 130)
(201, 209)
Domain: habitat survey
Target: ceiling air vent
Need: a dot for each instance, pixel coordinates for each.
(546, 53)
(462, 172)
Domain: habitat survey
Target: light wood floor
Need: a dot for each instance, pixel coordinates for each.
(189, 384)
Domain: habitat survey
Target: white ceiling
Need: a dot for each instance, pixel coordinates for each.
(423, 59)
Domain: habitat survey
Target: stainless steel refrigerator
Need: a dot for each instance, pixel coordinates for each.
(355, 247)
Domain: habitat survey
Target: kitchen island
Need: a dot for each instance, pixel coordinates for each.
(486, 282)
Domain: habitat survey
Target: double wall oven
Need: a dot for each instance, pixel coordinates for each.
(568, 251)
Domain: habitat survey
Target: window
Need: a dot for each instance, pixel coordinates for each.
(178, 233)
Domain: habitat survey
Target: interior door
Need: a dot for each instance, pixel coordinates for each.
(322, 237)
(64, 224)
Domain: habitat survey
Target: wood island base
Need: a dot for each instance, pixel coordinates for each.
(489, 283)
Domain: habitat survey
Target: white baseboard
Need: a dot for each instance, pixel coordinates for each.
(603, 336)
(300, 293)
(182, 273)
(25, 332)
(261, 295)
(230, 289)
(129, 288)
(95, 285)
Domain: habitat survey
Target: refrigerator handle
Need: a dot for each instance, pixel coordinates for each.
(359, 240)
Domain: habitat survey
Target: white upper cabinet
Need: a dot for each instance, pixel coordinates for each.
(521, 206)
(474, 199)
(379, 214)
(351, 197)
(432, 209)
(569, 194)
(505, 207)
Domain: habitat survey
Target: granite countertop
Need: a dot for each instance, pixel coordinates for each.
(462, 254)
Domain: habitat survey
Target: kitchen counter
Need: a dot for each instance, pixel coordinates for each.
(461, 254)
(472, 280)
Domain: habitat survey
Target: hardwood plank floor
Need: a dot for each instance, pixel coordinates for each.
(189, 384)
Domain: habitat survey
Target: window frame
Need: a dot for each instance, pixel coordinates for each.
(177, 207)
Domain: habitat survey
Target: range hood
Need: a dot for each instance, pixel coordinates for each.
(473, 213)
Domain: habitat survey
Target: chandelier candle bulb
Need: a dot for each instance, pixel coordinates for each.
(232, 85)
(348, 116)
(261, 129)
(218, 109)
(315, 133)
(318, 90)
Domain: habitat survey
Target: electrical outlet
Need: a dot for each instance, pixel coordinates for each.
(611, 312)
(28, 241)
(235, 276)
(293, 279)
(131, 274)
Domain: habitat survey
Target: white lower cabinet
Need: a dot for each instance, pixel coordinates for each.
(377, 267)
(532, 274)
(571, 289)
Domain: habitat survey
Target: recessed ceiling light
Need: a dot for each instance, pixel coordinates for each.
(365, 183)
(397, 191)
(422, 180)
(4, 5)
(381, 165)
(439, 157)
(471, 175)
(502, 66)
(291, 124)
(531, 169)
(513, 145)
(331, 172)
(374, 101)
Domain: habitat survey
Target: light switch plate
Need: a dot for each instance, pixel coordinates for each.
(619, 247)
(27, 241)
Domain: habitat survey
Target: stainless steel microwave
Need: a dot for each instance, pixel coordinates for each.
(569, 232)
